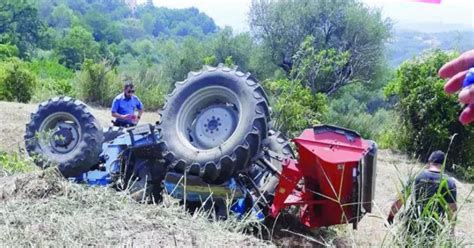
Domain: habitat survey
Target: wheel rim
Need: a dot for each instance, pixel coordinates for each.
(208, 118)
(60, 133)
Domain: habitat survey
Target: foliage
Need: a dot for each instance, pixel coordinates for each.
(428, 115)
(7, 51)
(20, 25)
(53, 79)
(17, 83)
(357, 32)
(15, 163)
(294, 106)
(97, 83)
(319, 69)
(77, 46)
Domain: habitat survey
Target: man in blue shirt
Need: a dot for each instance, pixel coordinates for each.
(124, 106)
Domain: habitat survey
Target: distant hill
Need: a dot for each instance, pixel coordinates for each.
(406, 44)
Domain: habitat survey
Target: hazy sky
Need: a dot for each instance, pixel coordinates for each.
(404, 12)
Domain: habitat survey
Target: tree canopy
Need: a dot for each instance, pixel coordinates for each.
(345, 28)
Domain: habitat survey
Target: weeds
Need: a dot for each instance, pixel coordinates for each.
(430, 223)
(15, 163)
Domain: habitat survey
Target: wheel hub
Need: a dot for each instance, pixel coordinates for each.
(63, 137)
(213, 126)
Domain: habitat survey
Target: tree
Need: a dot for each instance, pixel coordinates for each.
(61, 17)
(98, 83)
(75, 47)
(20, 25)
(321, 70)
(8, 51)
(346, 26)
(239, 47)
(295, 107)
(429, 117)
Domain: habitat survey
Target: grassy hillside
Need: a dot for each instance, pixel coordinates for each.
(42, 208)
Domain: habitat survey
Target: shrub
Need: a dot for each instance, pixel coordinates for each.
(17, 83)
(294, 106)
(422, 227)
(54, 79)
(98, 83)
(13, 163)
(7, 51)
(427, 114)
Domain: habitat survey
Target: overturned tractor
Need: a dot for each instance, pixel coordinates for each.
(214, 142)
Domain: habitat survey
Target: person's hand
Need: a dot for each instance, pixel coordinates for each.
(135, 119)
(127, 117)
(390, 219)
(456, 71)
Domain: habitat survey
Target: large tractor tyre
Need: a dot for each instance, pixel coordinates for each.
(276, 148)
(63, 132)
(213, 123)
(111, 133)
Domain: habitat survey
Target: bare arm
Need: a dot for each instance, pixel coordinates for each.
(119, 116)
(394, 210)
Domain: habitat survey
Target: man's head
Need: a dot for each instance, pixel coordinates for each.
(128, 89)
(436, 158)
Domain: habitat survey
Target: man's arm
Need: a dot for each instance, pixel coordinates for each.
(119, 116)
(394, 210)
(139, 108)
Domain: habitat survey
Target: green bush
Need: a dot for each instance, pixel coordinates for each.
(8, 51)
(294, 106)
(17, 83)
(14, 163)
(428, 115)
(97, 83)
(54, 79)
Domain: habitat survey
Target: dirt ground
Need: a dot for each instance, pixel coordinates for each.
(371, 230)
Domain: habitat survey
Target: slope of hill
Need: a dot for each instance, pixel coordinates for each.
(36, 207)
(406, 44)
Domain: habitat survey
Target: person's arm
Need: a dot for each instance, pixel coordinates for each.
(456, 71)
(119, 116)
(451, 199)
(139, 108)
(394, 210)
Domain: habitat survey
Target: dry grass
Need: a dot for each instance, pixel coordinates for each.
(372, 229)
(40, 210)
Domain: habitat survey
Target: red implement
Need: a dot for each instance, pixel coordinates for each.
(338, 171)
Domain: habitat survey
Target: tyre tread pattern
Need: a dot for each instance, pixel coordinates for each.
(224, 166)
(84, 156)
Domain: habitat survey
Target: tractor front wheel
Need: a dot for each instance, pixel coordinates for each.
(63, 132)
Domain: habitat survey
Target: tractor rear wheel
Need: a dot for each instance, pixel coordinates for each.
(213, 123)
(63, 132)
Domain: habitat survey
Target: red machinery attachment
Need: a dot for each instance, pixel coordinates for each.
(338, 171)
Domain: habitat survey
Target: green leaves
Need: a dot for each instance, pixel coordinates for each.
(20, 26)
(77, 46)
(429, 115)
(17, 83)
(294, 105)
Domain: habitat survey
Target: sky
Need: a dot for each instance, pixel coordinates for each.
(448, 15)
